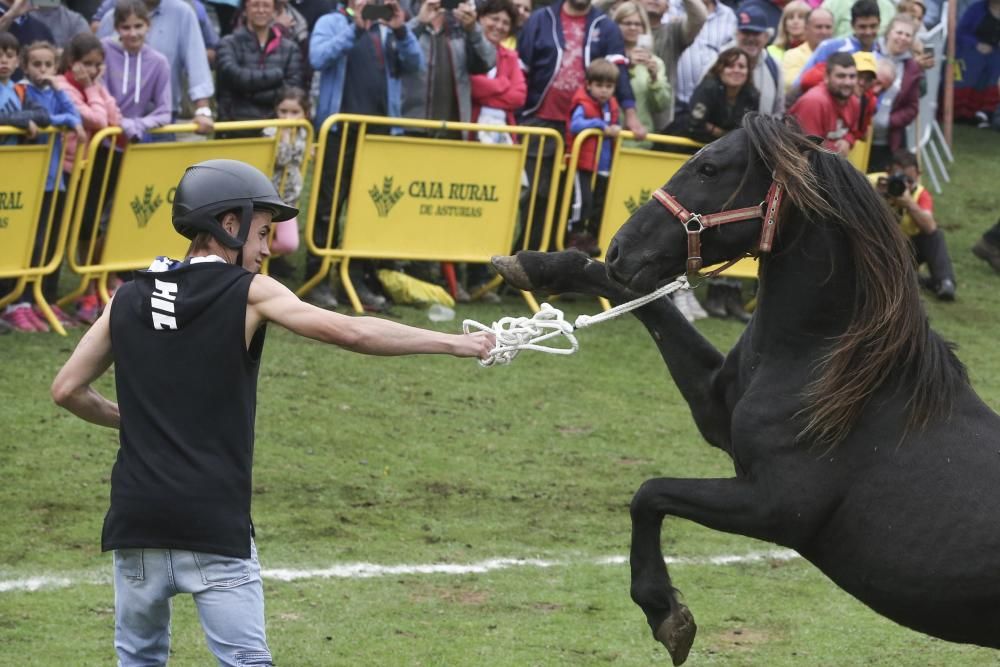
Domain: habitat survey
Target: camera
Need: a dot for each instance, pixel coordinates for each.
(896, 184)
(450, 4)
(377, 11)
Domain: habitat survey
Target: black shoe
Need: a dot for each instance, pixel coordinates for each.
(321, 296)
(733, 301)
(988, 252)
(714, 304)
(945, 290)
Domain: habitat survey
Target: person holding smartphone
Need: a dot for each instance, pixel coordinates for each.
(647, 72)
(360, 57)
(454, 48)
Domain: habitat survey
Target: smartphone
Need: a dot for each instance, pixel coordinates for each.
(450, 4)
(377, 11)
(44, 4)
(645, 42)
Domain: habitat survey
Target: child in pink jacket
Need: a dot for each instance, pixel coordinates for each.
(81, 79)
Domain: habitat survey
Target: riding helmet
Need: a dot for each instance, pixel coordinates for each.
(213, 187)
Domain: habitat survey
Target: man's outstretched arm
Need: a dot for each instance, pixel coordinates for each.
(92, 357)
(270, 301)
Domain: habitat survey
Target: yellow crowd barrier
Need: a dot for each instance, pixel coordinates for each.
(861, 151)
(139, 219)
(426, 199)
(25, 169)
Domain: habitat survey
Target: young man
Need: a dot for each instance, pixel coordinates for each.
(914, 207)
(865, 22)
(831, 111)
(186, 340)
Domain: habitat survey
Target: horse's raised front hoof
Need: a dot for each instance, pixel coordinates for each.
(510, 268)
(676, 632)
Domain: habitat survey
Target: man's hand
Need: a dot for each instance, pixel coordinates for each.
(612, 130)
(32, 129)
(430, 10)
(465, 14)
(359, 9)
(477, 344)
(984, 48)
(205, 125)
(634, 125)
(842, 146)
(19, 8)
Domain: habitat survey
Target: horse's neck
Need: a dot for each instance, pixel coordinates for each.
(807, 289)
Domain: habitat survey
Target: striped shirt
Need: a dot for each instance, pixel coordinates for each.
(697, 58)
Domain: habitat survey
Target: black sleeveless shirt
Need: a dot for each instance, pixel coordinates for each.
(187, 394)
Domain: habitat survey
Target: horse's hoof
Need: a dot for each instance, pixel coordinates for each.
(677, 634)
(510, 268)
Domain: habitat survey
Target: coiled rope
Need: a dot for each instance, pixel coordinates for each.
(514, 334)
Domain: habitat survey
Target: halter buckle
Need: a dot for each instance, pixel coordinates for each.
(695, 218)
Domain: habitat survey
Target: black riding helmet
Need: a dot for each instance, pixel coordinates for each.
(213, 187)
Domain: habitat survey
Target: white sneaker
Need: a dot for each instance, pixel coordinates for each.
(697, 311)
(682, 305)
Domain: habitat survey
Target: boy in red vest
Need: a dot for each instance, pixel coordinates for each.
(593, 106)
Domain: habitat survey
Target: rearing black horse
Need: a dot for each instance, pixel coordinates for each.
(854, 433)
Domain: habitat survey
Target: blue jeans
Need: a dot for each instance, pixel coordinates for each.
(227, 591)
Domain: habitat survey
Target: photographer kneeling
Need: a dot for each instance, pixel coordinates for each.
(914, 208)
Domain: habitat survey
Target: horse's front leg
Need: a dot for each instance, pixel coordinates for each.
(730, 505)
(705, 378)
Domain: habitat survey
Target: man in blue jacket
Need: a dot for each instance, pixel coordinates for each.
(555, 47)
(360, 64)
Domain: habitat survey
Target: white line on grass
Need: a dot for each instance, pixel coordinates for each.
(369, 570)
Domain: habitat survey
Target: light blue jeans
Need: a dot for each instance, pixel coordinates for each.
(227, 591)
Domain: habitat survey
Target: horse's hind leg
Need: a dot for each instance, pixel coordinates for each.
(731, 505)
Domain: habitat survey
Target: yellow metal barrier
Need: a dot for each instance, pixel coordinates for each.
(424, 199)
(636, 173)
(139, 225)
(861, 151)
(25, 169)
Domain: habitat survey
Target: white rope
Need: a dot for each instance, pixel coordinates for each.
(514, 334)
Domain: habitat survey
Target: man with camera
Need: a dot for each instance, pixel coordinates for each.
(914, 208)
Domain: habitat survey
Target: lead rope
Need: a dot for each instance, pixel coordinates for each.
(514, 334)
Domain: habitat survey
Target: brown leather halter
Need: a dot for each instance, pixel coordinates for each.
(696, 223)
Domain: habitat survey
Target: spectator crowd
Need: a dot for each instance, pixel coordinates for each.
(847, 71)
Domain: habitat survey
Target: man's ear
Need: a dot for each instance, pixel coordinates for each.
(230, 223)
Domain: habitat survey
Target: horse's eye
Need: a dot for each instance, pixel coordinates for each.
(708, 170)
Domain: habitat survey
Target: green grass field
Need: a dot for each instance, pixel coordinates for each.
(437, 461)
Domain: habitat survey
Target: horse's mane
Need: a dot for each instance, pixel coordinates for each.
(888, 337)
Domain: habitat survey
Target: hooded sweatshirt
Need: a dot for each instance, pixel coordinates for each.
(140, 84)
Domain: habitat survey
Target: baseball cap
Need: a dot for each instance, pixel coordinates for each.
(865, 61)
(751, 18)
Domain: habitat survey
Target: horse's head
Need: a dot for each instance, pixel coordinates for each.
(725, 175)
